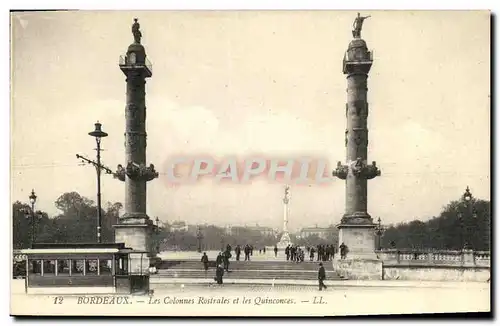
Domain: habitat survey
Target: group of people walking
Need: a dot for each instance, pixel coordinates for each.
(292, 252)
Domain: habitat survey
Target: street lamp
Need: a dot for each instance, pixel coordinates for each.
(467, 198)
(33, 215)
(157, 220)
(379, 230)
(98, 134)
(199, 236)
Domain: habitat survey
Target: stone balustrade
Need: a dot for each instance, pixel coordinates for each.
(435, 257)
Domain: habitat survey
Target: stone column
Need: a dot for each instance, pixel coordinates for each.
(135, 228)
(356, 229)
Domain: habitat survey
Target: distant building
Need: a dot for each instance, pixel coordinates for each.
(244, 230)
(264, 230)
(323, 233)
(179, 226)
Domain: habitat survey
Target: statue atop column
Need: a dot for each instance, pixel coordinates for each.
(136, 32)
(286, 198)
(358, 25)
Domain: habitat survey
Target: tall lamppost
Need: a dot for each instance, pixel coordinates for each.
(32, 215)
(157, 220)
(467, 199)
(199, 236)
(97, 133)
(379, 230)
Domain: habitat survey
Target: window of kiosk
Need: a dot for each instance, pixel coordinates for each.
(78, 267)
(105, 267)
(63, 266)
(91, 267)
(121, 266)
(35, 267)
(49, 267)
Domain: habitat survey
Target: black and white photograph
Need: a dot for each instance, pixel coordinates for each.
(266, 163)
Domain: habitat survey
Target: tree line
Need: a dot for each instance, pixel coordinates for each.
(458, 224)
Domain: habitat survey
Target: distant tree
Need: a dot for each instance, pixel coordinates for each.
(22, 225)
(76, 223)
(458, 223)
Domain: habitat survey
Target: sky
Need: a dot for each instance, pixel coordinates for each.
(237, 83)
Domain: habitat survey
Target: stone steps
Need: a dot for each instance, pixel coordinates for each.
(245, 274)
(248, 265)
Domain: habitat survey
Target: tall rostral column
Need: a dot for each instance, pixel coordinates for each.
(135, 228)
(285, 237)
(356, 229)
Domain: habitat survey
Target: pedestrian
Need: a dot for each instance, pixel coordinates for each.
(204, 260)
(287, 252)
(275, 251)
(321, 277)
(226, 257)
(219, 259)
(219, 274)
(237, 250)
(343, 251)
(311, 254)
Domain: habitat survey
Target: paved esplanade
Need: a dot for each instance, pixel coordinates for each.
(135, 227)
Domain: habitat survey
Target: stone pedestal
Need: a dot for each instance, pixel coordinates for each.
(359, 239)
(284, 241)
(139, 238)
(361, 262)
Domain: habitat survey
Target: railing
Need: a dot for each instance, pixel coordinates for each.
(124, 61)
(435, 257)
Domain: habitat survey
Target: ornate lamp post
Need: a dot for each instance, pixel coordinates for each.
(157, 230)
(199, 237)
(32, 215)
(98, 134)
(467, 200)
(379, 230)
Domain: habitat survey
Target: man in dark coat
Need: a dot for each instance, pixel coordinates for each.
(321, 277)
(204, 260)
(343, 251)
(275, 251)
(219, 260)
(225, 259)
(237, 250)
(287, 252)
(219, 273)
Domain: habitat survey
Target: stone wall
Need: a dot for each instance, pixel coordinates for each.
(436, 273)
(359, 269)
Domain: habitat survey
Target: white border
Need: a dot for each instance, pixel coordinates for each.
(184, 4)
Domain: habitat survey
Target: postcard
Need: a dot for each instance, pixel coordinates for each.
(250, 163)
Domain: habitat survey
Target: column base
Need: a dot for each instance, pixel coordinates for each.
(359, 239)
(137, 236)
(284, 241)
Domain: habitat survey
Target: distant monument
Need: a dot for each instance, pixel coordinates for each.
(285, 237)
(135, 228)
(356, 229)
